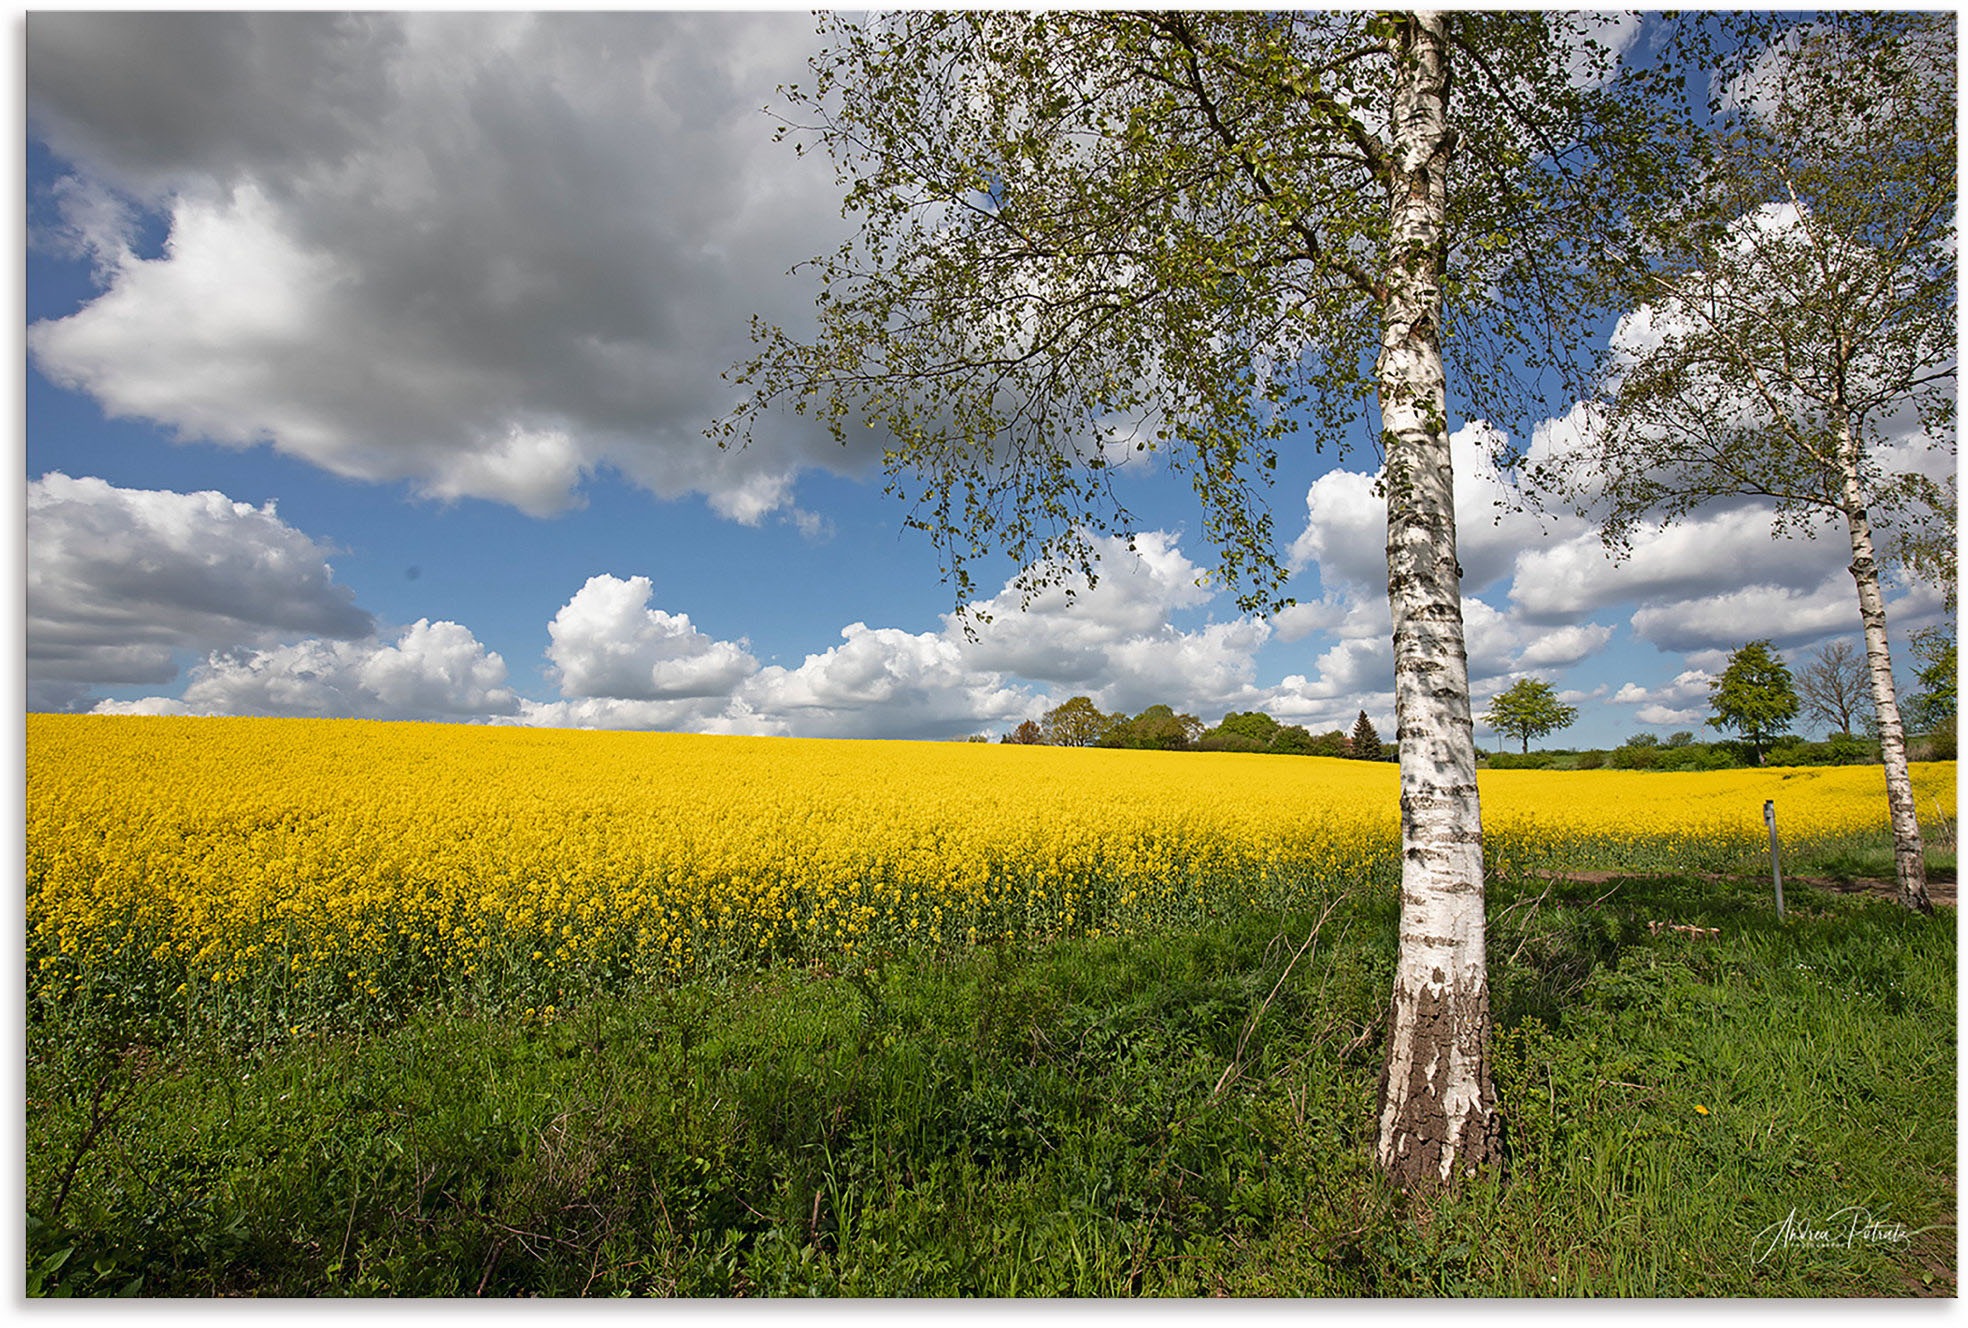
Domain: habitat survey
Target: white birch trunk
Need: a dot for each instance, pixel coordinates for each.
(1909, 857)
(1438, 1117)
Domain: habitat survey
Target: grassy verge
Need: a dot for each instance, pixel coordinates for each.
(1689, 1114)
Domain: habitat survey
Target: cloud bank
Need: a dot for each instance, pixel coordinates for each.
(131, 588)
(122, 582)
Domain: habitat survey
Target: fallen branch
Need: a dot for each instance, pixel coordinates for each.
(1685, 928)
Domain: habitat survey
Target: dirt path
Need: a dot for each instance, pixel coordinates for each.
(1940, 887)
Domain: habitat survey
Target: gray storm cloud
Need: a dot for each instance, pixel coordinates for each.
(484, 255)
(121, 579)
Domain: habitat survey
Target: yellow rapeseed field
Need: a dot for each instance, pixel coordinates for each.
(288, 872)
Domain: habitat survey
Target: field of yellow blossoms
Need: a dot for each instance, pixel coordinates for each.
(284, 874)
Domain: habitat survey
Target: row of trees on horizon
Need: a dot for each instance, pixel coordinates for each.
(1078, 722)
(1755, 698)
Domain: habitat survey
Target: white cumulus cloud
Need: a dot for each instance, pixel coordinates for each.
(609, 644)
(1684, 699)
(882, 682)
(1117, 641)
(433, 670)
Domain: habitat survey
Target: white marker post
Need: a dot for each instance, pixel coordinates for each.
(1776, 869)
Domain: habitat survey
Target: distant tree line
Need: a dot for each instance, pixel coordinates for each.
(1681, 751)
(1078, 722)
(1756, 697)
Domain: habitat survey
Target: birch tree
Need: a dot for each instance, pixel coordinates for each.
(1089, 237)
(1797, 343)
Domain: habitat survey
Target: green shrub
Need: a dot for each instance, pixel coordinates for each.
(1215, 741)
(1522, 760)
(1838, 749)
(1697, 756)
(1935, 746)
(1293, 740)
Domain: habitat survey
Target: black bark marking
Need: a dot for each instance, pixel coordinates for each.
(1421, 1131)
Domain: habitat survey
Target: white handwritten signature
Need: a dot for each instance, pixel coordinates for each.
(1841, 1230)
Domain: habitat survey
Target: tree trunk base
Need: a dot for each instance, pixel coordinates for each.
(1413, 1161)
(1916, 900)
(1438, 1105)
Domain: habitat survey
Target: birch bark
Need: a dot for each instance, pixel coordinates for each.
(1909, 856)
(1438, 1117)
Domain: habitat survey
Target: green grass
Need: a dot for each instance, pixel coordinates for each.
(1177, 1115)
(1864, 860)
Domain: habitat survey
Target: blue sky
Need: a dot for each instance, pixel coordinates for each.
(369, 360)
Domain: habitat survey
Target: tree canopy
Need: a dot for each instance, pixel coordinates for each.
(1936, 656)
(1075, 722)
(1529, 708)
(1089, 237)
(1833, 686)
(1247, 730)
(1793, 328)
(1363, 743)
(1158, 728)
(1754, 696)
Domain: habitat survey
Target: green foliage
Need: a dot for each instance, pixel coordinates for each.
(1522, 760)
(1293, 740)
(1241, 731)
(1695, 756)
(1937, 745)
(1182, 1114)
(1255, 731)
(1363, 744)
(1158, 728)
(1088, 235)
(1634, 757)
(1684, 755)
(1527, 709)
(1754, 696)
(1076, 722)
(1332, 742)
(1838, 749)
(1680, 752)
(1936, 655)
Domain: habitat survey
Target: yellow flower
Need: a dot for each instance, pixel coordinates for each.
(264, 857)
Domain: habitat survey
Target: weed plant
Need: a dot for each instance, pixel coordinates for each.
(1689, 1113)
